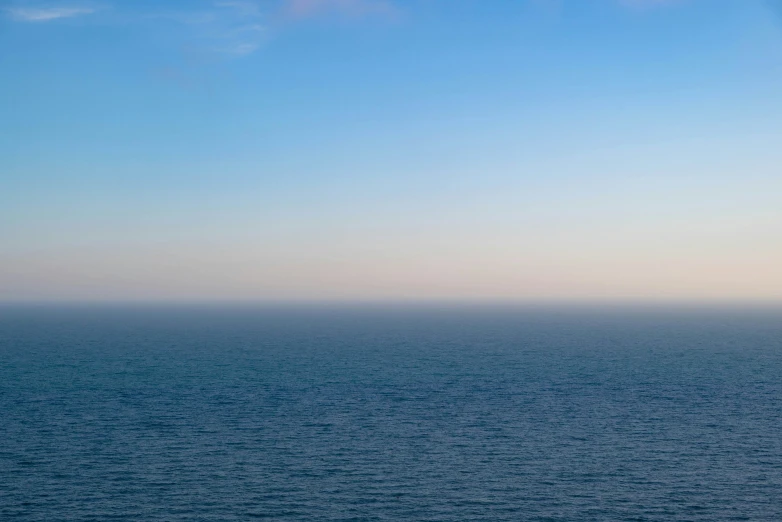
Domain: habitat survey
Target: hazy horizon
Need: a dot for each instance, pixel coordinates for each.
(413, 304)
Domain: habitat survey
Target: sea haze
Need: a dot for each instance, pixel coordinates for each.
(390, 413)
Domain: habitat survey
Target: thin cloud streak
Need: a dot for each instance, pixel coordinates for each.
(46, 14)
(243, 8)
(642, 4)
(226, 27)
(238, 27)
(353, 8)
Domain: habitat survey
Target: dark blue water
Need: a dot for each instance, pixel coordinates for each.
(390, 414)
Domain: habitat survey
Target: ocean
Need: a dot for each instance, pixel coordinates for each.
(390, 412)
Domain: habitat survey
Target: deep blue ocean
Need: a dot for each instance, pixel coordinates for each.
(390, 413)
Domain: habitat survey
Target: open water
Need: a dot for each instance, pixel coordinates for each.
(390, 413)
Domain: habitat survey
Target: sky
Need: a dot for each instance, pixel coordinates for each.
(255, 150)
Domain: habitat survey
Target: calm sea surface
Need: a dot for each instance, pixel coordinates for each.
(390, 414)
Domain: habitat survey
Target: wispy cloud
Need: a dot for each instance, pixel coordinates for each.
(242, 8)
(648, 3)
(46, 14)
(237, 27)
(354, 8)
(231, 27)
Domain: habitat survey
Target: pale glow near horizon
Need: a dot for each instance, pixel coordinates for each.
(563, 155)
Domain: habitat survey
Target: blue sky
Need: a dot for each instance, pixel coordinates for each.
(381, 149)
